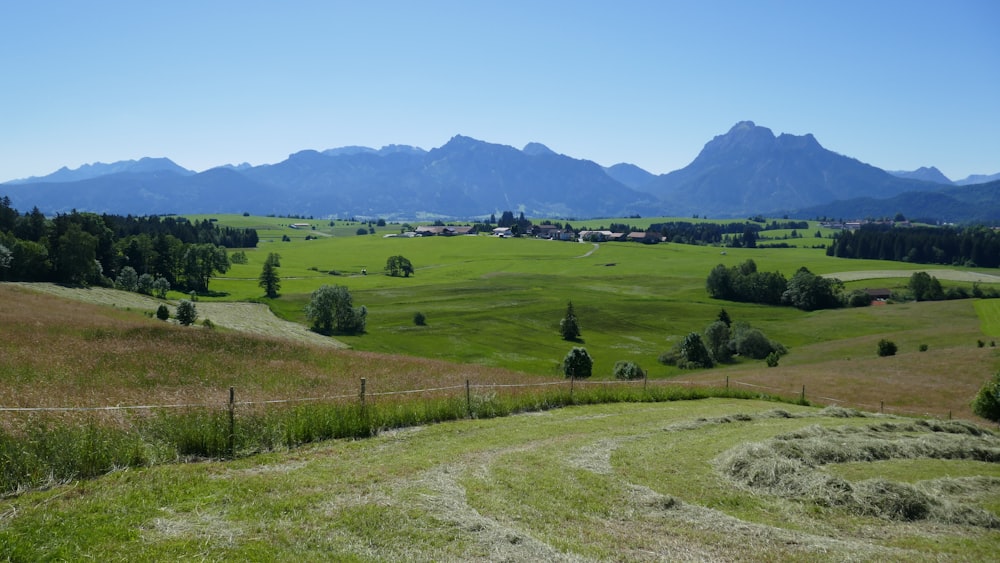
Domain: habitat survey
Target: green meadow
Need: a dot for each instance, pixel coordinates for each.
(498, 302)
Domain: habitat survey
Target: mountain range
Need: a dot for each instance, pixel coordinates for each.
(746, 171)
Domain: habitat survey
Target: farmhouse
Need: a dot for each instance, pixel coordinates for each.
(647, 237)
(300, 226)
(439, 230)
(545, 231)
(502, 232)
(595, 236)
(879, 294)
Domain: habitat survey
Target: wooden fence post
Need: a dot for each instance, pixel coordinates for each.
(571, 379)
(468, 398)
(802, 398)
(232, 422)
(363, 383)
(881, 407)
(727, 382)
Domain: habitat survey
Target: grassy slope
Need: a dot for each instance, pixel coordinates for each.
(611, 482)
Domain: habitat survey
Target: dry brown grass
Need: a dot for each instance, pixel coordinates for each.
(933, 383)
(56, 352)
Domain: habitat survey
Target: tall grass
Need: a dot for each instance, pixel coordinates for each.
(48, 451)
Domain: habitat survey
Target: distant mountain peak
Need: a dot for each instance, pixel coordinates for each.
(86, 171)
(537, 149)
(925, 173)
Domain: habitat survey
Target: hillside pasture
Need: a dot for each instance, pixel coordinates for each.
(498, 302)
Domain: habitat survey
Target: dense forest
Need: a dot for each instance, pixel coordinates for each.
(972, 246)
(91, 249)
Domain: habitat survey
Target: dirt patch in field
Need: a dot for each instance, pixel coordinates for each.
(254, 318)
(950, 275)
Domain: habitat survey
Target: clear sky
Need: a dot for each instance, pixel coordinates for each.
(896, 84)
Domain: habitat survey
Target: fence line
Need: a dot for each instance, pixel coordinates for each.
(882, 407)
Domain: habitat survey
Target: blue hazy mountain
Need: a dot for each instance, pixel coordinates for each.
(925, 173)
(750, 170)
(746, 171)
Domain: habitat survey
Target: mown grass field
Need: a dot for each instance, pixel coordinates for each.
(607, 482)
(623, 482)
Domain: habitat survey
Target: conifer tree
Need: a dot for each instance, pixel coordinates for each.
(568, 326)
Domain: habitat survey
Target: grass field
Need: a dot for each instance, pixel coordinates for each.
(639, 482)
(607, 482)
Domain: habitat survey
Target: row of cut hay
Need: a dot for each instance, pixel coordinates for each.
(790, 466)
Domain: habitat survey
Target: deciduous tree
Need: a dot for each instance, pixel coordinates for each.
(578, 363)
(398, 266)
(331, 310)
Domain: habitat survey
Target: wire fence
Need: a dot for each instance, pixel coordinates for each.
(365, 394)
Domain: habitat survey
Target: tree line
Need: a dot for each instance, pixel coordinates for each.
(972, 246)
(91, 249)
(805, 290)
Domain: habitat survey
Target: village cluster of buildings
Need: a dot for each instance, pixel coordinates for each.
(550, 232)
(855, 225)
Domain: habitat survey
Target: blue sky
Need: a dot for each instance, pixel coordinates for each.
(897, 84)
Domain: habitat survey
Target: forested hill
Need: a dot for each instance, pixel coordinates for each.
(91, 249)
(974, 247)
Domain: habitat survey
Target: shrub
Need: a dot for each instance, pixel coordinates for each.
(187, 314)
(752, 343)
(858, 298)
(923, 347)
(886, 348)
(980, 344)
(419, 319)
(162, 312)
(578, 363)
(628, 370)
(772, 359)
(207, 323)
(987, 401)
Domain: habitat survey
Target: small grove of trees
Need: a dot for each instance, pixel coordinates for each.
(719, 343)
(90, 249)
(398, 266)
(331, 311)
(925, 287)
(269, 279)
(129, 280)
(568, 326)
(577, 363)
(987, 401)
(806, 291)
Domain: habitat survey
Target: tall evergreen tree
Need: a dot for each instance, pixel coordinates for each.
(269, 280)
(568, 326)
